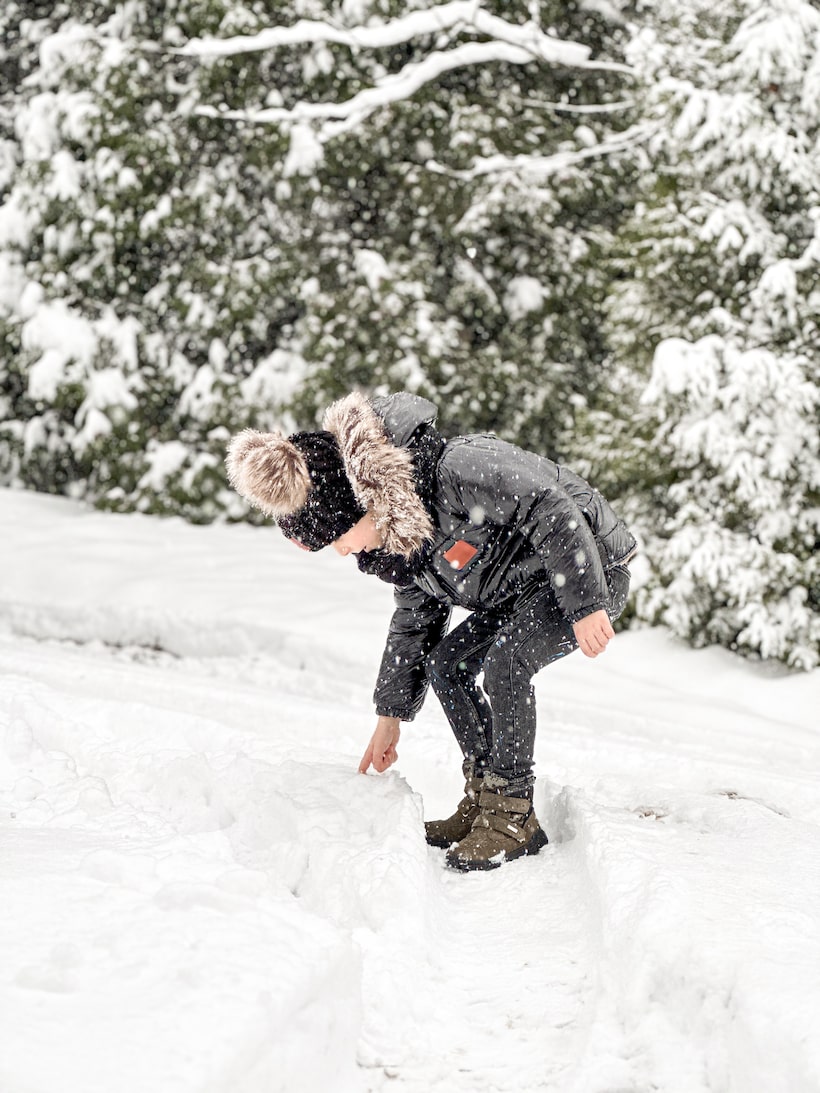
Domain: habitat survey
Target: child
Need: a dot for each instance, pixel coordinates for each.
(535, 553)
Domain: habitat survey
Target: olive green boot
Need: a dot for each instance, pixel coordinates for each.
(454, 828)
(504, 829)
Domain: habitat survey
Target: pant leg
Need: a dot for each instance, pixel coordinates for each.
(537, 634)
(532, 638)
(496, 727)
(453, 668)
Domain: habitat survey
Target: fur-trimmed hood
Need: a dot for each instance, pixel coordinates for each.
(371, 438)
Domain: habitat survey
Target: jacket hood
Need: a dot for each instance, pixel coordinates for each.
(402, 414)
(372, 438)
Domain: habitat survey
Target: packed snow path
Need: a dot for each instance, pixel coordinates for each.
(200, 893)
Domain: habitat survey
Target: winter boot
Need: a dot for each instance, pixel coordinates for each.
(505, 828)
(454, 828)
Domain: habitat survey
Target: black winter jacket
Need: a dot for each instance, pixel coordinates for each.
(504, 520)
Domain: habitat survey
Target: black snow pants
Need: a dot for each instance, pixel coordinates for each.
(494, 724)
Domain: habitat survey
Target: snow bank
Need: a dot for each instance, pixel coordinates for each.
(709, 940)
(230, 899)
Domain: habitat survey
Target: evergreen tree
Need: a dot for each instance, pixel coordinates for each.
(717, 305)
(146, 262)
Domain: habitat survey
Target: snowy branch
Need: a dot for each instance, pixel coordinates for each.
(540, 167)
(442, 17)
(314, 124)
(389, 89)
(316, 32)
(571, 108)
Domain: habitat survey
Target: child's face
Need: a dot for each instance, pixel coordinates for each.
(362, 536)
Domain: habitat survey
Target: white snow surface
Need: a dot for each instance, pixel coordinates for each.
(201, 895)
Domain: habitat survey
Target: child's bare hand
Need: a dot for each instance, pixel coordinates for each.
(593, 633)
(381, 751)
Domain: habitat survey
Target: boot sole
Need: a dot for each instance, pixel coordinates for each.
(466, 865)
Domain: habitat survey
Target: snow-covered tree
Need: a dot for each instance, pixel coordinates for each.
(129, 265)
(459, 196)
(738, 563)
(719, 301)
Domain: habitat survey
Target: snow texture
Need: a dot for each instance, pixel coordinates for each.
(201, 894)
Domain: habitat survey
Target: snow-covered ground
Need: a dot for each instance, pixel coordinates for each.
(201, 895)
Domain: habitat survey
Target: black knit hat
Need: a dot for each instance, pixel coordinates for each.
(300, 480)
(331, 508)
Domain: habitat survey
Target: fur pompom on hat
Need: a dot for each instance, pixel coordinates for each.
(269, 471)
(299, 480)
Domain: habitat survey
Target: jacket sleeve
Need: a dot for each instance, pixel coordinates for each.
(492, 481)
(559, 533)
(419, 623)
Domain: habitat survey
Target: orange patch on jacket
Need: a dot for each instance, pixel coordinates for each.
(460, 553)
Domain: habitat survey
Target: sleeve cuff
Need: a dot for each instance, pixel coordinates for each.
(402, 715)
(590, 609)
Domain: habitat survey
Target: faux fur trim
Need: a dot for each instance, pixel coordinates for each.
(269, 471)
(381, 474)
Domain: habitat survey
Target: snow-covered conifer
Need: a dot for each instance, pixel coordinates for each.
(718, 299)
